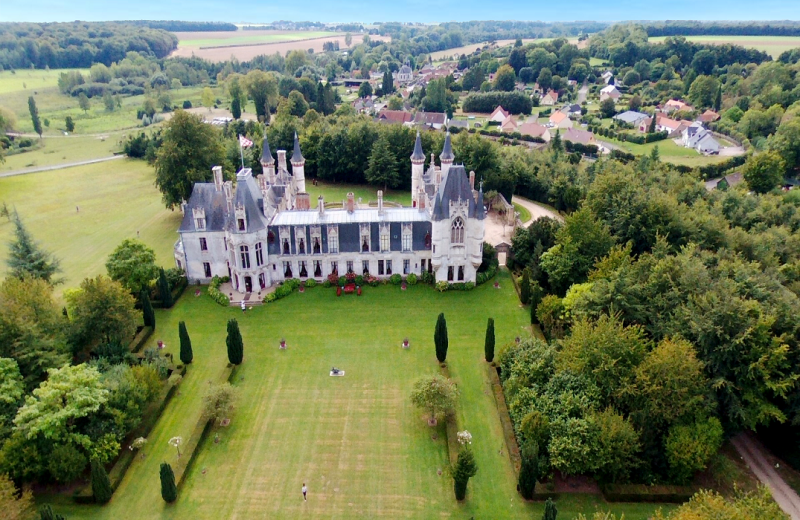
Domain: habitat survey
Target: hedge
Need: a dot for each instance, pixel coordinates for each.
(645, 493)
(451, 426)
(140, 339)
(487, 275)
(177, 291)
(486, 102)
(505, 419)
(215, 293)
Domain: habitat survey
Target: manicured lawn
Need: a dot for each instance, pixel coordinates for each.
(363, 450)
(524, 214)
(59, 150)
(668, 151)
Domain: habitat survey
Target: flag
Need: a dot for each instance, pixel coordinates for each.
(245, 142)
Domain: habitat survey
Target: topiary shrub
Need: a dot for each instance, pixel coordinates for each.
(395, 279)
(411, 279)
(311, 283)
(327, 284)
(359, 280)
(101, 485)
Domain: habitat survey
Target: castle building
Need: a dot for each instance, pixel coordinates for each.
(263, 230)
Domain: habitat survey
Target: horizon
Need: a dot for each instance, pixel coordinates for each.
(413, 11)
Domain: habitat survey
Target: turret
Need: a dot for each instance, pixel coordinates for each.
(298, 166)
(446, 157)
(417, 170)
(267, 162)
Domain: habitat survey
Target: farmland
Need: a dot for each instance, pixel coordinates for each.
(772, 45)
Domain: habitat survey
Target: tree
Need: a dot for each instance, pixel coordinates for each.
(26, 259)
(607, 108)
(236, 108)
(164, 291)
(188, 151)
(207, 98)
(635, 102)
(718, 100)
(234, 343)
(652, 128)
(545, 79)
(525, 287)
(764, 172)
(262, 87)
(529, 470)
(710, 505)
(505, 79)
(186, 344)
(348, 39)
(435, 99)
(15, 504)
(37, 123)
(219, 401)
(101, 485)
(440, 338)
(294, 60)
(689, 448)
(488, 346)
(47, 513)
(108, 101)
(365, 90)
(84, 103)
(556, 145)
(388, 83)
(703, 91)
(382, 167)
(149, 316)
(169, 491)
(69, 124)
(395, 103)
(436, 395)
(132, 264)
(101, 312)
(236, 94)
(465, 468)
(632, 78)
(550, 510)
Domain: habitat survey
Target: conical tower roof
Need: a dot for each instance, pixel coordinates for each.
(418, 155)
(447, 150)
(266, 153)
(296, 155)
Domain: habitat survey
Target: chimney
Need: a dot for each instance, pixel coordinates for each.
(217, 170)
(262, 182)
(303, 201)
(282, 160)
(380, 202)
(228, 194)
(472, 180)
(438, 177)
(350, 205)
(321, 206)
(421, 198)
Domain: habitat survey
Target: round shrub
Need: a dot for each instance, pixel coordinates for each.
(395, 279)
(311, 283)
(66, 463)
(411, 279)
(326, 284)
(342, 281)
(187, 104)
(359, 280)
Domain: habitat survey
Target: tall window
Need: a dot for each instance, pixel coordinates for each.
(365, 244)
(285, 246)
(317, 269)
(259, 255)
(203, 245)
(317, 246)
(450, 273)
(241, 224)
(365, 267)
(333, 243)
(244, 251)
(301, 246)
(406, 241)
(303, 270)
(460, 273)
(388, 267)
(287, 269)
(334, 268)
(406, 266)
(384, 242)
(349, 266)
(457, 231)
(207, 269)
(380, 267)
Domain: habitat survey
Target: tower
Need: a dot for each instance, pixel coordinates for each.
(446, 157)
(267, 162)
(298, 166)
(417, 169)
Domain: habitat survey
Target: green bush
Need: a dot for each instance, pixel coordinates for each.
(215, 293)
(311, 283)
(428, 277)
(395, 279)
(342, 281)
(359, 280)
(270, 298)
(442, 286)
(66, 463)
(411, 279)
(327, 284)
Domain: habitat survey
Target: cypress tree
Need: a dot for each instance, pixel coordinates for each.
(652, 128)
(550, 510)
(529, 470)
(101, 485)
(525, 287)
(488, 346)
(169, 491)
(163, 290)
(234, 343)
(236, 108)
(47, 513)
(440, 338)
(147, 310)
(37, 123)
(465, 469)
(536, 298)
(718, 99)
(186, 344)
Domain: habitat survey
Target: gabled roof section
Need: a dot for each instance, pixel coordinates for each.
(297, 156)
(266, 153)
(245, 197)
(454, 187)
(205, 195)
(447, 149)
(418, 155)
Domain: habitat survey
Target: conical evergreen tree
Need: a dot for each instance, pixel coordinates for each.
(652, 128)
(550, 510)
(525, 287)
(147, 310)
(440, 338)
(186, 344)
(718, 99)
(26, 258)
(234, 343)
(169, 491)
(47, 513)
(488, 346)
(101, 485)
(556, 143)
(465, 468)
(164, 292)
(529, 470)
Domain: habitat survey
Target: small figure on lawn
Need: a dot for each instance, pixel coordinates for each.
(334, 371)
(244, 307)
(305, 490)
(405, 343)
(283, 344)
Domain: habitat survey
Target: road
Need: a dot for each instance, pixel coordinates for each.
(537, 210)
(37, 169)
(582, 93)
(754, 454)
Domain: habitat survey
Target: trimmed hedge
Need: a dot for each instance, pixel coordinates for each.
(215, 293)
(140, 339)
(505, 419)
(645, 493)
(487, 275)
(176, 291)
(486, 102)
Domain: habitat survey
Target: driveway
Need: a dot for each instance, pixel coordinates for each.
(582, 93)
(537, 210)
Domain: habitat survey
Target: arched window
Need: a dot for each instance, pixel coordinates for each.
(457, 231)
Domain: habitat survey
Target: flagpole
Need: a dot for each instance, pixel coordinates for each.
(241, 151)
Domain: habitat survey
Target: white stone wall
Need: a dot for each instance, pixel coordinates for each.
(397, 257)
(195, 257)
(238, 272)
(445, 254)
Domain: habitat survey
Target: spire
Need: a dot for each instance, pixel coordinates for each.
(266, 154)
(418, 156)
(296, 155)
(480, 212)
(447, 150)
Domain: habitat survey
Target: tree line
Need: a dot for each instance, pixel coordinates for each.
(694, 28)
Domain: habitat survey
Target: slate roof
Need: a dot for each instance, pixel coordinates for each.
(455, 186)
(395, 116)
(297, 156)
(205, 195)
(631, 117)
(248, 195)
(578, 136)
(532, 129)
(430, 118)
(266, 153)
(418, 155)
(447, 149)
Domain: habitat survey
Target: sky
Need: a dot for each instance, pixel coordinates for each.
(427, 11)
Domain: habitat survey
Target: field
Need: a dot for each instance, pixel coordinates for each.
(449, 54)
(668, 151)
(245, 45)
(772, 45)
(30, 79)
(357, 442)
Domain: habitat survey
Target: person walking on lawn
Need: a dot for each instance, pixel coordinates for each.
(305, 490)
(244, 307)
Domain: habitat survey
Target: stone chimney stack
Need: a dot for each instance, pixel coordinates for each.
(421, 199)
(303, 201)
(228, 188)
(217, 170)
(350, 205)
(282, 160)
(380, 202)
(472, 180)
(321, 206)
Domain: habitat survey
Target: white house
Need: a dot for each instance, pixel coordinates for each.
(499, 115)
(609, 91)
(560, 120)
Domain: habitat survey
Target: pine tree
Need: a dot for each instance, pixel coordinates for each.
(382, 167)
(37, 123)
(440, 338)
(147, 310)
(234, 343)
(388, 83)
(525, 287)
(556, 142)
(465, 468)
(101, 485)
(488, 346)
(718, 99)
(236, 108)
(652, 128)
(47, 513)
(169, 491)
(186, 344)
(655, 155)
(164, 292)
(26, 258)
(550, 510)
(529, 470)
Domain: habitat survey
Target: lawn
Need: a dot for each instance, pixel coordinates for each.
(356, 441)
(524, 214)
(668, 151)
(58, 150)
(772, 45)
(30, 80)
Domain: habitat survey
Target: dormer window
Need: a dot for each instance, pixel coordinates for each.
(199, 216)
(200, 224)
(240, 224)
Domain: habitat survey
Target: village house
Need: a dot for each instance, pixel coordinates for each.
(709, 116)
(576, 135)
(607, 76)
(395, 116)
(609, 91)
(573, 110)
(549, 99)
(676, 105)
(435, 120)
(560, 120)
(535, 130)
(500, 114)
(631, 117)
(700, 139)
(508, 125)
(404, 75)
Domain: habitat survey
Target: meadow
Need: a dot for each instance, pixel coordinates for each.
(245, 37)
(772, 45)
